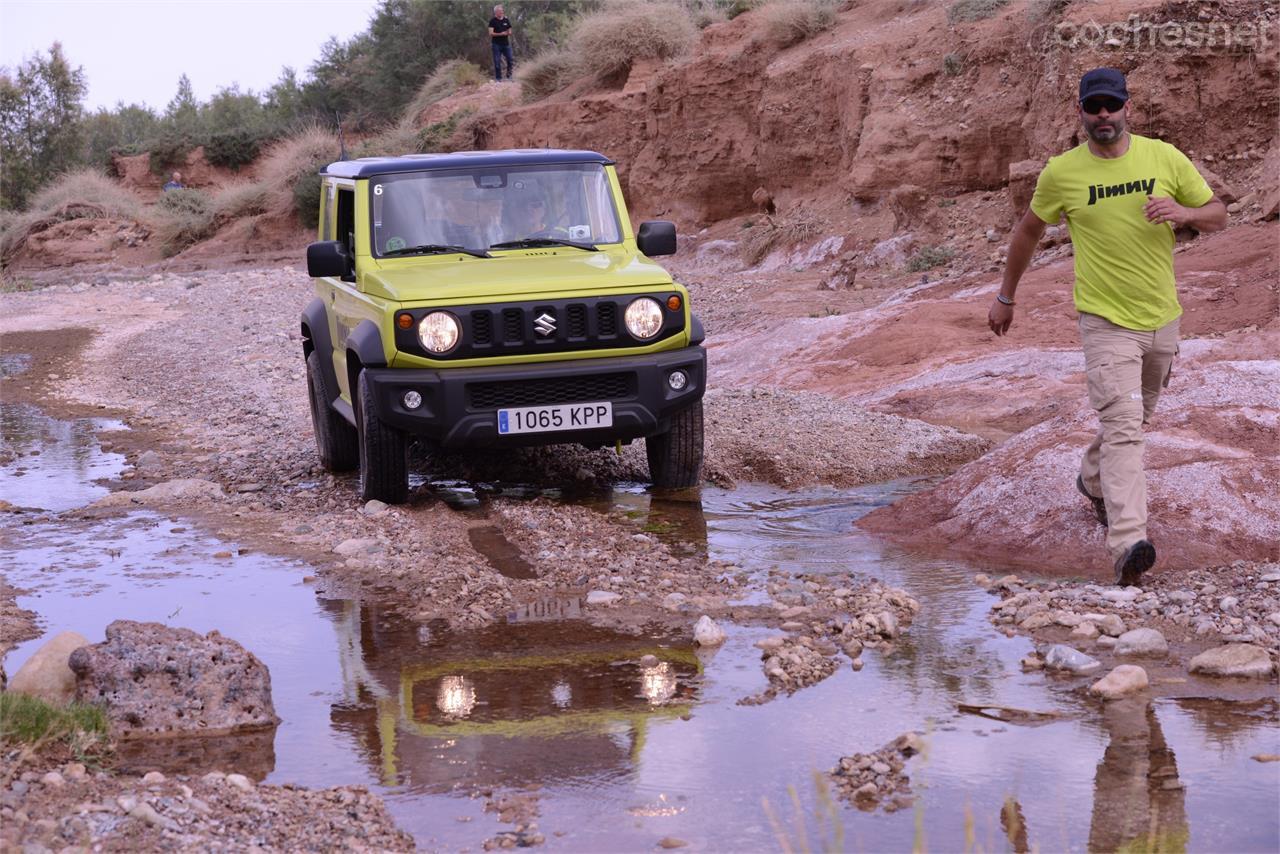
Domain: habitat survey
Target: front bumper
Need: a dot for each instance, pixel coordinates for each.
(460, 405)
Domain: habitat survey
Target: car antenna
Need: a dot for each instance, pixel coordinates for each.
(342, 145)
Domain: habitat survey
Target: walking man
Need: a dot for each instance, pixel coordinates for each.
(500, 41)
(1123, 196)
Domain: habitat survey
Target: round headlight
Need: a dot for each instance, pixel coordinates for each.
(438, 332)
(644, 317)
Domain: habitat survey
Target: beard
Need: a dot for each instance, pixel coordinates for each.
(1109, 132)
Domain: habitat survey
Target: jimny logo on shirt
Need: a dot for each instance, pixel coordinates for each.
(1146, 186)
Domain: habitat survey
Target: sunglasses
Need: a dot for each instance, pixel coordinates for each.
(1093, 106)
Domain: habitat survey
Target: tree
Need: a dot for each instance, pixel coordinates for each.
(41, 105)
(182, 115)
(122, 129)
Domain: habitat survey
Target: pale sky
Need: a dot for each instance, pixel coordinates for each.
(135, 50)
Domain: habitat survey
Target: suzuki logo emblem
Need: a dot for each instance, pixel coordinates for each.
(544, 324)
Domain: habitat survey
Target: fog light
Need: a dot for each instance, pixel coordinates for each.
(677, 380)
(412, 400)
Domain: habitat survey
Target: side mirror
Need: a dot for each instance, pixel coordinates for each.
(328, 258)
(657, 238)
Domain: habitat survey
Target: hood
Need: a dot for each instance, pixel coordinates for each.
(514, 275)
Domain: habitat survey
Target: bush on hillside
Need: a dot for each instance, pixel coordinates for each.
(928, 257)
(81, 194)
(233, 149)
(239, 200)
(609, 41)
(738, 7)
(290, 170)
(548, 73)
(449, 77)
(790, 22)
(1039, 11)
(965, 11)
(183, 218)
(168, 152)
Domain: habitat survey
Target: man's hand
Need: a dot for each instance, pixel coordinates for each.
(1161, 209)
(1000, 317)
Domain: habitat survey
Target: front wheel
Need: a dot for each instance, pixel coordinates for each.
(384, 463)
(675, 457)
(336, 440)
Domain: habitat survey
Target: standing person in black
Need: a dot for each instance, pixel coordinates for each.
(500, 39)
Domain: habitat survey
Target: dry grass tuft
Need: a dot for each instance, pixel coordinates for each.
(606, 43)
(82, 194)
(247, 198)
(788, 229)
(548, 73)
(448, 77)
(966, 11)
(182, 218)
(790, 22)
(296, 157)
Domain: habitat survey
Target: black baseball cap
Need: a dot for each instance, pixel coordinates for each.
(1104, 82)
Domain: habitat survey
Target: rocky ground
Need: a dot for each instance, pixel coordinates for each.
(68, 807)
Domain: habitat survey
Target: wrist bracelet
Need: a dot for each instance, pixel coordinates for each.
(1001, 298)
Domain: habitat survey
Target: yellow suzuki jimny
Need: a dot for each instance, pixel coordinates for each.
(494, 299)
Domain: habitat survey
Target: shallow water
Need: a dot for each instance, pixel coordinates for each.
(621, 750)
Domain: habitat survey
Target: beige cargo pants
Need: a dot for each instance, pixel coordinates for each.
(1126, 369)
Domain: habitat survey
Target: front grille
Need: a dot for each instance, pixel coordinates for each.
(577, 321)
(581, 323)
(607, 319)
(482, 328)
(544, 392)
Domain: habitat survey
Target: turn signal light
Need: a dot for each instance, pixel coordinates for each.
(404, 321)
(673, 302)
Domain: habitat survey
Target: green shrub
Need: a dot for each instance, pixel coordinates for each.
(790, 22)
(447, 78)
(548, 73)
(964, 11)
(609, 41)
(928, 257)
(439, 137)
(738, 7)
(953, 64)
(1039, 11)
(183, 218)
(167, 152)
(233, 149)
(26, 720)
(306, 199)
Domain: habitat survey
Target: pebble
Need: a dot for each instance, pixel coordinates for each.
(648, 661)
(374, 507)
(1085, 631)
(603, 597)
(1062, 657)
(1121, 682)
(672, 842)
(856, 664)
(74, 771)
(771, 643)
(152, 777)
(1228, 604)
(53, 780)
(1270, 576)
(240, 781)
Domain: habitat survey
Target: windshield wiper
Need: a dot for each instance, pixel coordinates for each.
(436, 249)
(543, 241)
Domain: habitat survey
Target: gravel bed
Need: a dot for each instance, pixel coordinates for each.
(56, 808)
(879, 778)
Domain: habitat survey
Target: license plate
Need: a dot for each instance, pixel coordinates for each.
(544, 419)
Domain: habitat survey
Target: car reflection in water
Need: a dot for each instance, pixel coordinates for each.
(543, 699)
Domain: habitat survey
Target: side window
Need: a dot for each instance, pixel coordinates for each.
(345, 219)
(326, 216)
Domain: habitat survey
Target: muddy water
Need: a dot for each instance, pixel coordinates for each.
(623, 740)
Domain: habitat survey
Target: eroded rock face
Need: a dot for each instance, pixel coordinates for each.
(156, 680)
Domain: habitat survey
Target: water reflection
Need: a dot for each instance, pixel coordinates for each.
(507, 705)
(1139, 804)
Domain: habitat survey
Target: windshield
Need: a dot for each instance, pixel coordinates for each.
(477, 208)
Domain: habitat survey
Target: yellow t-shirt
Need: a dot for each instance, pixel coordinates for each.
(1124, 264)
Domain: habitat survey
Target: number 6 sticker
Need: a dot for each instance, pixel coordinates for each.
(377, 189)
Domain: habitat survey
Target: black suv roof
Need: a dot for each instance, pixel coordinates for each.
(367, 167)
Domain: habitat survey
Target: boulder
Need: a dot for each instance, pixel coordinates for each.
(46, 675)
(1121, 682)
(1234, 659)
(1062, 657)
(707, 633)
(1141, 642)
(157, 680)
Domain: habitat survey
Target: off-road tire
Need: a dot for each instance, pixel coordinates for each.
(336, 440)
(384, 457)
(675, 457)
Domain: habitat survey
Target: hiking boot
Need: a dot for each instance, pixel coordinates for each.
(1099, 506)
(1137, 559)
